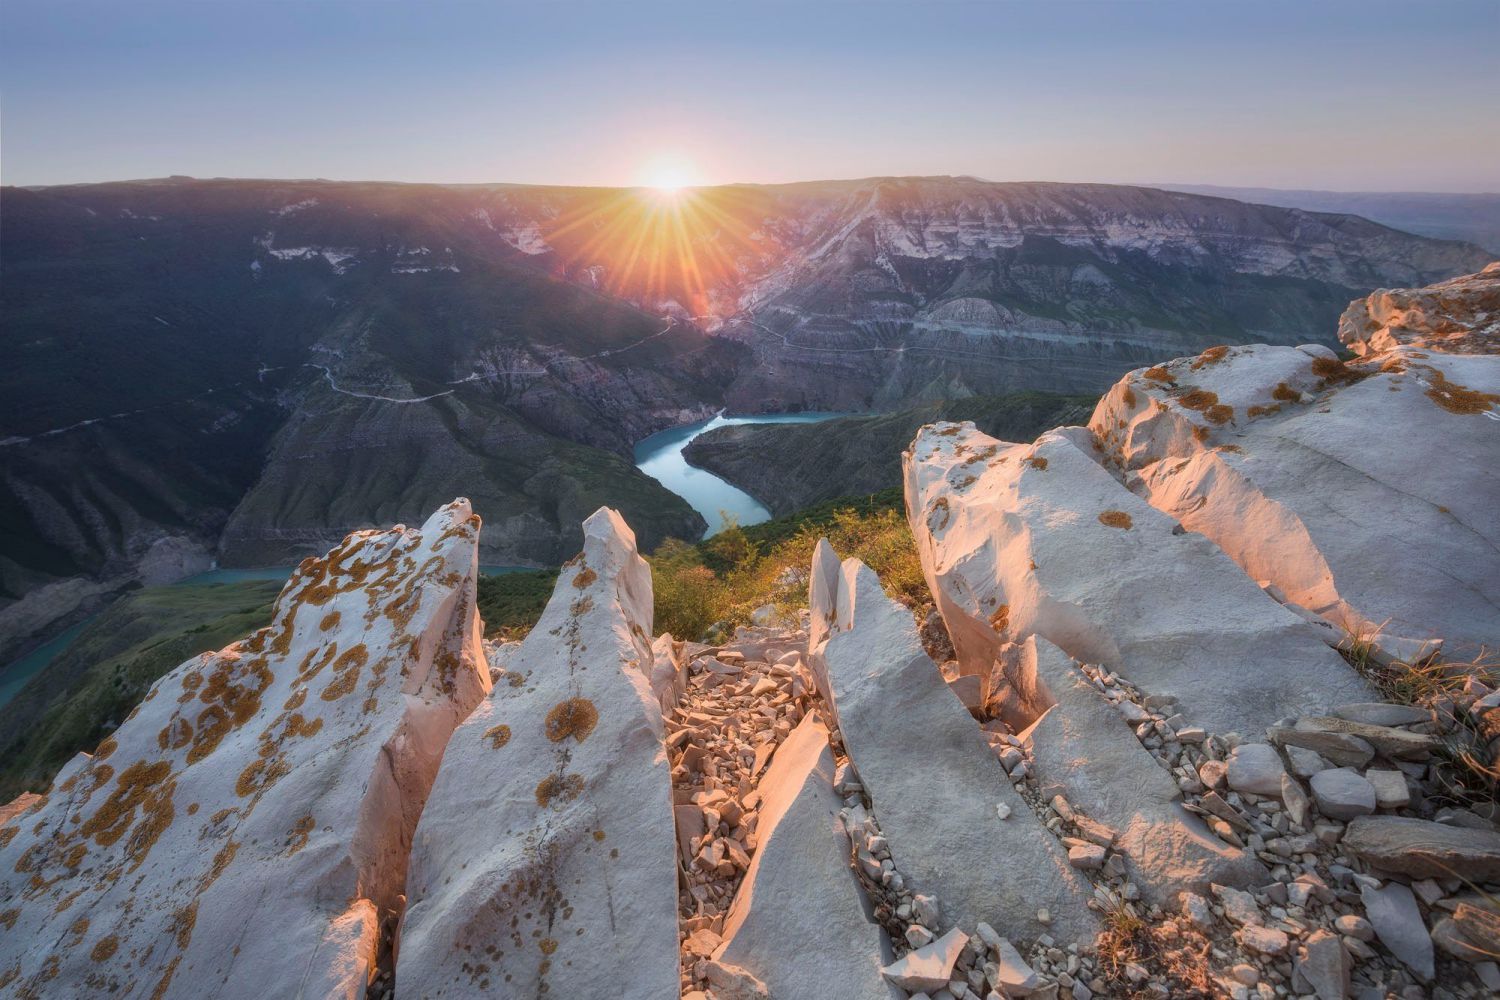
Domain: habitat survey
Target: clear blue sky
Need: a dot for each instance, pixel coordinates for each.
(1370, 95)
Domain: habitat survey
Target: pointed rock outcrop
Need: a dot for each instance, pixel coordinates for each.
(1021, 540)
(246, 830)
(933, 782)
(1365, 492)
(799, 923)
(1083, 750)
(545, 861)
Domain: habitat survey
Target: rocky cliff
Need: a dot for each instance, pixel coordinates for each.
(1165, 754)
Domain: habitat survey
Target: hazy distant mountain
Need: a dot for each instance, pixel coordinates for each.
(1471, 217)
(246, 370)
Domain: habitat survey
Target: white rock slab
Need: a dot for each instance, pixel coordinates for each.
(800, 923)
(246, 829)
(1083, 750)
(1321, 478)
(545, 861)
(933, 782)
(1021, 540)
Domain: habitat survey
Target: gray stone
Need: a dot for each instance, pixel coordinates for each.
(1256, 768)
(1322, 966)
(893, 709)
(1393, 913)
(1342, 749)
(1381, 713)
(1391, 791)
(799, 922)
(929, 967)
(1079, 752)
(1295, 799)
(1423, 849)
(1305, 763)
(1012, 973)
(1343, 793)
(1396, 744)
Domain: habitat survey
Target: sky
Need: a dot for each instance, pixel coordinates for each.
(1373, 95)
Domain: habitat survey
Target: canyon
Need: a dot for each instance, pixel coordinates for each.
(238, 373)
(1170, 725)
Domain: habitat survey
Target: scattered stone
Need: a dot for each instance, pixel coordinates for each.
(1392, 911)
(1086, 857)
(1256, 768)
(1380, 713)
(1391, 791)
(930, 967)
(1343, 793)
(1342, 749)
(1305, 763)
(1264, 940)
(1012, 974)
(1295, 799)
(1322, 967)
(1424, 849)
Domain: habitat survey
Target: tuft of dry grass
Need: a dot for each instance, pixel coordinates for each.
(1172, 951)
(1436, 682)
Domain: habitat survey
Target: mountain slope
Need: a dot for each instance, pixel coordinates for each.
(246, 370)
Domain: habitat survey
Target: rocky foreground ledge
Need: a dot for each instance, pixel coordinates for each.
(1212, 723)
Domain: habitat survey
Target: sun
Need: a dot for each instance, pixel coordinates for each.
(668, 173)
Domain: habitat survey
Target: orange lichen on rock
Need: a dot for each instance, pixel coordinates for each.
(346, 672)
(1128, 395)
(1285, 393)
(1159, 374)
(498, 735)
(558, 788)
(585, 577)
(1334, 370)
(1219, 413)
(1000, 620)
(1116, 519)
(1210, 356)
(575, 717)
(1456, 398)
(1037, 462)
(1198, 399)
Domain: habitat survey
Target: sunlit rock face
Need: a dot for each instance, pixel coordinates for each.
(546, 860)
(800, 923)
(933, 783)
(1022, 540)
(1367, 492)
(1461, 316)
(246, 830)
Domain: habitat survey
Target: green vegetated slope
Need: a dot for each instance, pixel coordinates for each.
(789, 467)
(91, 687)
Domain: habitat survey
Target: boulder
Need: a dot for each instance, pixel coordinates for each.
(799, 923)
(1268, 452)
(933, 782)
(1423, 849)
(273, 785)
(546, 859)
(1458, 316)
(1082, 750)
(1021, 540)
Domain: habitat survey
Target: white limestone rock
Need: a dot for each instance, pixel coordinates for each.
(932, 780)
(1460, 316)
(245, 831)
(1043, 540)
(800, 923)
(1270, 454)
(1081, 750)
(545, 861)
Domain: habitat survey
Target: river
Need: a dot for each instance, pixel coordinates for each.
(660, 457)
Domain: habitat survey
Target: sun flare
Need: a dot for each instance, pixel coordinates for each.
(668, 173)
